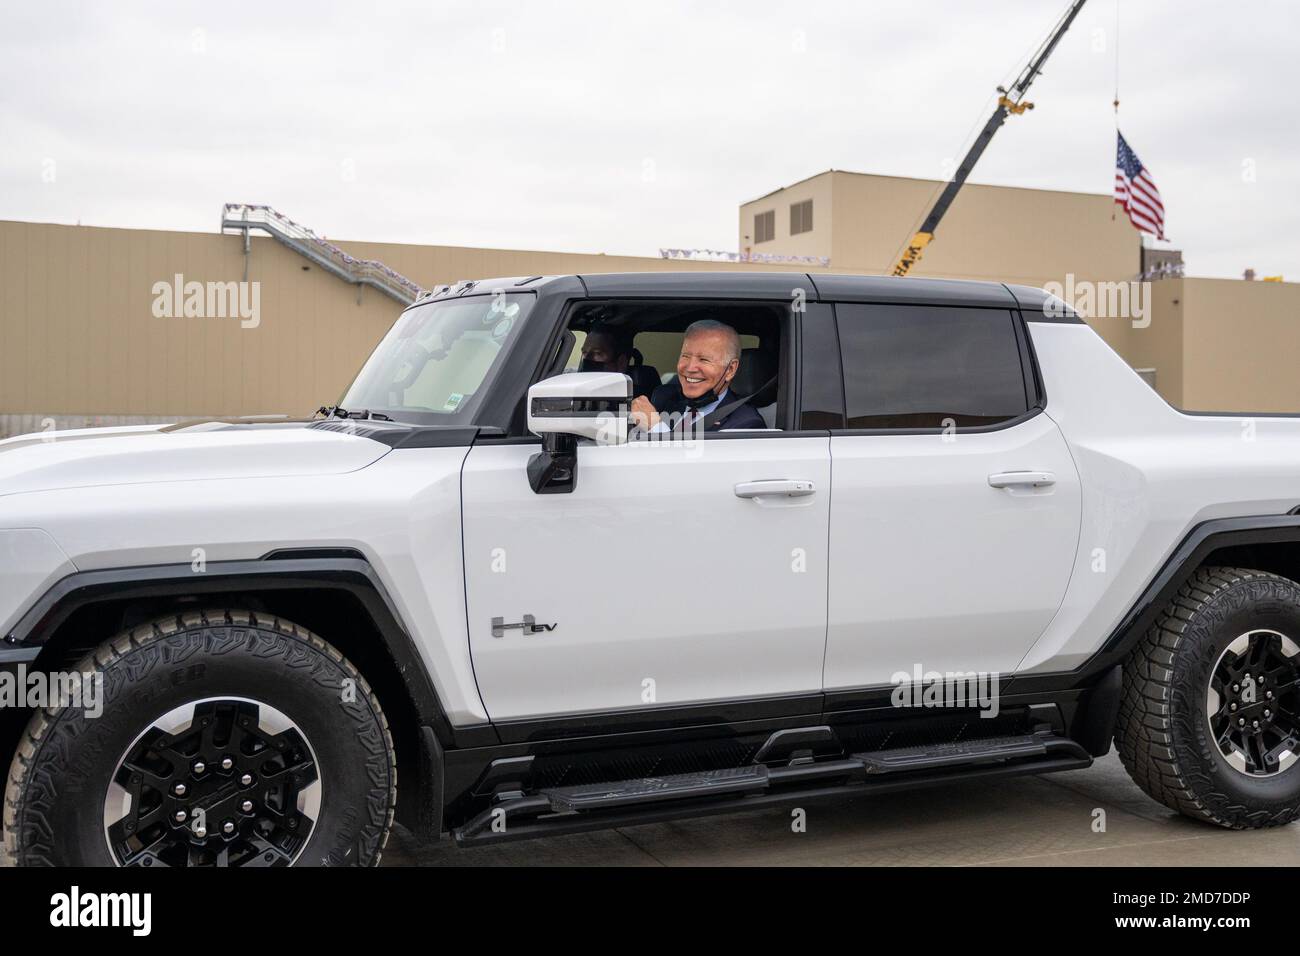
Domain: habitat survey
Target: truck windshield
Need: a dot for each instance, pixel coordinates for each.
(435, 364)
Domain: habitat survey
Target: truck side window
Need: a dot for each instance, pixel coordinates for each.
(821, 383)
(911, 366)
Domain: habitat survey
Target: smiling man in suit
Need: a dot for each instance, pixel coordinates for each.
(709, 360)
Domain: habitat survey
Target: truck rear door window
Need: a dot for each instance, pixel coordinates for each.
(909, 366)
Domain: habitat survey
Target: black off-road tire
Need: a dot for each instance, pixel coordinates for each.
(1163, 733)
(54, 801)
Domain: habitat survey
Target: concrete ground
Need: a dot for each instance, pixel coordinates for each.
(1017, 821)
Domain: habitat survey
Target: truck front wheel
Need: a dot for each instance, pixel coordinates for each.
(1209, 720)
(220, 738)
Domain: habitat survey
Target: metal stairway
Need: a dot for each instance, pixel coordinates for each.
(245, 217)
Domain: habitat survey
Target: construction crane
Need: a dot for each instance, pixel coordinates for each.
(1009, 101)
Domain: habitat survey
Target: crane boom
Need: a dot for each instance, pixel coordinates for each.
(1009, 101)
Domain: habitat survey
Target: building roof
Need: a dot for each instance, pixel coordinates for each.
(919, 179)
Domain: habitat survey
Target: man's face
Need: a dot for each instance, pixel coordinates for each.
(705, 363)
(598, 354)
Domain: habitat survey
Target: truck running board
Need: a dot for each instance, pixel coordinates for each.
(680, 786)
(946, 755)
(556, 810)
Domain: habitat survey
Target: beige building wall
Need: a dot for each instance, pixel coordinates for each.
(1241, 345)
(1155, 344)
(1216, 344)
(816, 242)
(1029, 236)
(79, 342)
(78, 335)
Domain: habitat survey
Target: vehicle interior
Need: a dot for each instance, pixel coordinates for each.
(655, 330)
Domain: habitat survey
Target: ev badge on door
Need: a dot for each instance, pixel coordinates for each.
(529, 625)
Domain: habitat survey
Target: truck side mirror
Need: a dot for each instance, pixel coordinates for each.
(567, 407)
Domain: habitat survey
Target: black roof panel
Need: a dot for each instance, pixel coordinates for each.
(775, 286)
(820, 287)
(706, 285)
(895, 289)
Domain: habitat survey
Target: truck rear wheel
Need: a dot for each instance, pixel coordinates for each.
(221, 738)
(1209, 720)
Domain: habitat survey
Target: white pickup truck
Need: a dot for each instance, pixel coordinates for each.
(966, 541)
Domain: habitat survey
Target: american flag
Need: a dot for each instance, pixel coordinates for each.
(1136, 191)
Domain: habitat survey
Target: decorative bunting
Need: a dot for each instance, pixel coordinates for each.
(718, 255)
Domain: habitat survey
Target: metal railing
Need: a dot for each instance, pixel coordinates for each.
(247, 216)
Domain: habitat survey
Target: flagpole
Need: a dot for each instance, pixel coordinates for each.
(1116, 66)
(1112, 208)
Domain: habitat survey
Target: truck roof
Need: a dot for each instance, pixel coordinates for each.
(776, 285)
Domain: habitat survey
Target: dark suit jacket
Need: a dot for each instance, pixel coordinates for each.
(669, 399)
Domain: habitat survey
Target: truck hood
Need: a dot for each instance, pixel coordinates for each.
(95, 457)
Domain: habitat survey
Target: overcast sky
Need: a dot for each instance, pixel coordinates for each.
(624, 127)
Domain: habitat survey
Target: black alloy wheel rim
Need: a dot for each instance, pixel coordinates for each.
(1253, 703)
(217, 782)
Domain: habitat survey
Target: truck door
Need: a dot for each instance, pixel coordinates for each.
(670, 576)
(956, 504)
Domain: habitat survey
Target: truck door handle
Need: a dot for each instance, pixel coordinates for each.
(776, 488)
(1018, 479)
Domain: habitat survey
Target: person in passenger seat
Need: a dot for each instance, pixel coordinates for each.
(611, 350)
(709, 360)
(606, 350)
